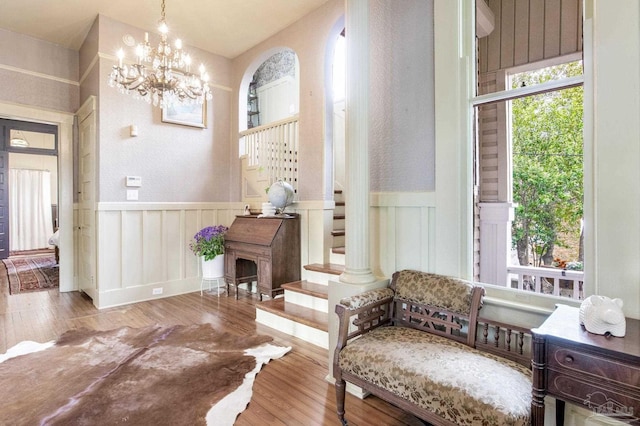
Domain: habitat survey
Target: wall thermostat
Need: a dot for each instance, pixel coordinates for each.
(134, 181)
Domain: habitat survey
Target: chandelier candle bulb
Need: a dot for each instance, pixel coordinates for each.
(120, 55)
(140, 53)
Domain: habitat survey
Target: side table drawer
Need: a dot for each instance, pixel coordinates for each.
(585, 364)
(594, 396)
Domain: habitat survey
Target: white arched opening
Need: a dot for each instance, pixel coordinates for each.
(248, 77)
(333, 149)
(268, 106)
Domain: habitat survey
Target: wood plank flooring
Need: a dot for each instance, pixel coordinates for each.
(290, 391)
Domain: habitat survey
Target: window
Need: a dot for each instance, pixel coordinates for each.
(528, 162)
(33, 138)
(547, 159)
(528, 158)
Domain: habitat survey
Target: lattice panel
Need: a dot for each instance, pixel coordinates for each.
(377, 314)
(274, 148)
(432, 319)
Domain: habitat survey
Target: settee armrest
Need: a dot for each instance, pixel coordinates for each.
(506, 340)
(361, 313)
(367, 298)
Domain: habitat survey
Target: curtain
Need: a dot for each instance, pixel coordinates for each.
(30, 222)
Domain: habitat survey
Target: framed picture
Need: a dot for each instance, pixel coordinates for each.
(193, 115)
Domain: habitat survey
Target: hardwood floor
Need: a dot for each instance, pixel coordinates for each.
(290, 391)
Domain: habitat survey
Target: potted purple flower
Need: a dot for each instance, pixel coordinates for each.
(208, 243)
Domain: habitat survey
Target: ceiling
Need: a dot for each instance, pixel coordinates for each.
(223, 27)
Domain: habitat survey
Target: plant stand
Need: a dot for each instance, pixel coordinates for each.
(213, 270)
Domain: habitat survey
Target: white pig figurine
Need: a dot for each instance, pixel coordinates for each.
(602, 315)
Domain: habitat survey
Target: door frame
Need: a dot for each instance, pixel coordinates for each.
(64, 121)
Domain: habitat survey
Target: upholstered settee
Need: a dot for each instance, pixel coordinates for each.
(420, 345)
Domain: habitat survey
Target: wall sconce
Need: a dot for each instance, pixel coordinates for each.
(133, 130)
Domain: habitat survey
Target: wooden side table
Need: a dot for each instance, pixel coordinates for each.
(598, 372)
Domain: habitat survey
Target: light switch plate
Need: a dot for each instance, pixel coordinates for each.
(132, 194)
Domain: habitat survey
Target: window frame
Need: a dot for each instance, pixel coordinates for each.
(535, 303)
(27, 126)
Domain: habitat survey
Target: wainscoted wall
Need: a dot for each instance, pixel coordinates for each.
(142, 246)
(402, 231)
(145, 246)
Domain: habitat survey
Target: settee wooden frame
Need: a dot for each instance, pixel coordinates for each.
(499, 338)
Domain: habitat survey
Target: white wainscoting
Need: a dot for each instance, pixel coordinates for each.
(142, 246)
(145, 246)
(402, 232)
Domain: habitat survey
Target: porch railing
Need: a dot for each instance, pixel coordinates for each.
(559, 282)
(273, 147)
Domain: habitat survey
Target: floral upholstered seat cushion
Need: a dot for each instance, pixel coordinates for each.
(448, 293)
(450, 379)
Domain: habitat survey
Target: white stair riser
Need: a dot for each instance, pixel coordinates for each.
(336, 258)
(318, 277)
(308, 334)
(306, 300)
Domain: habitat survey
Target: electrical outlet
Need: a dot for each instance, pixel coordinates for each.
(157, 290)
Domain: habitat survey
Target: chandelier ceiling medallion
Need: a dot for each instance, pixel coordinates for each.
(166, 78)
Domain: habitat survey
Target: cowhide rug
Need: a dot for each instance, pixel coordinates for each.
(179, 375)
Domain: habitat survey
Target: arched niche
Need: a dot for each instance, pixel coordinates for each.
(276, 73)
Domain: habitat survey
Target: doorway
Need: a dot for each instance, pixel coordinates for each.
(29, 186)
(65, 124)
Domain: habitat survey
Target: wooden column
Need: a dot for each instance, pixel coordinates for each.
(357, 259)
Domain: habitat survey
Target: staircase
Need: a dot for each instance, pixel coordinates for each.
(338, 232)
(303, 312)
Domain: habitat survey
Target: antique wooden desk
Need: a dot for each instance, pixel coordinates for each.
(266, 250)
(598, 372)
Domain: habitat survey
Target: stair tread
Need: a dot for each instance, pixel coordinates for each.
(338, 250)
(328, 268)
(310, 317)
(340, 203)
(338, 232)
(338, 216)
(320, 291)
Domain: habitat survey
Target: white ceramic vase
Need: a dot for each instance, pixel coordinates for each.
(213, 268)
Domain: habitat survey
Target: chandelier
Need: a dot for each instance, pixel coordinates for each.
(161, 75)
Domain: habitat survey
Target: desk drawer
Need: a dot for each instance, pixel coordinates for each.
(585, 364)
(594, 396)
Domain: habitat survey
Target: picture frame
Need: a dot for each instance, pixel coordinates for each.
(193, 115)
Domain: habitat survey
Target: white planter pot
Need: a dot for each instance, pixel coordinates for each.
(213, 268)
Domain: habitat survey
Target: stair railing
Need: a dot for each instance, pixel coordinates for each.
(273, 147)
